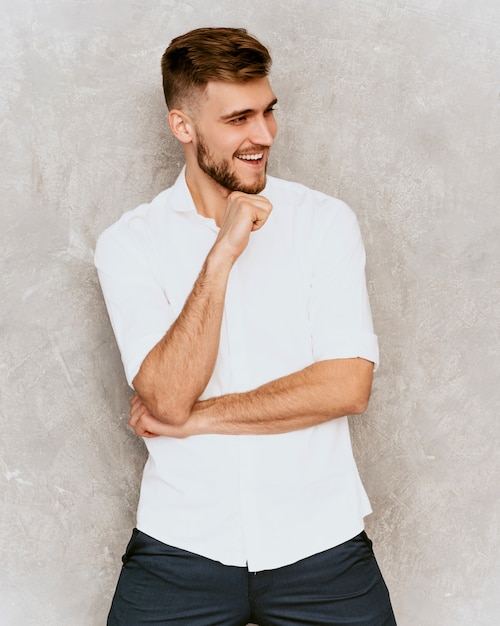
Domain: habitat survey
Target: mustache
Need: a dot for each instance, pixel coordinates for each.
(252, 150)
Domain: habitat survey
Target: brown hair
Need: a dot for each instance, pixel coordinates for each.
(206, 54)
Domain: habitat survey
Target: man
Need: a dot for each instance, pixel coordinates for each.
(239, 305)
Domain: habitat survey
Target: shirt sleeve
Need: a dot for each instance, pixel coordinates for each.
(138, 308)
(340, 316)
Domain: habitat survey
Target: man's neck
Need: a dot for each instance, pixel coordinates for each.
(208, 196)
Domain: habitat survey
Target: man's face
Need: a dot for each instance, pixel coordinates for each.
(235, 128)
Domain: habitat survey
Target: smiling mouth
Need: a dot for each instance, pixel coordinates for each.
(251, 158)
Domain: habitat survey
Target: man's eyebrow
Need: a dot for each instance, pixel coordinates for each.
(244, 112)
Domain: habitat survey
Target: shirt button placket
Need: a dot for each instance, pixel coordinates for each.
(237, 338)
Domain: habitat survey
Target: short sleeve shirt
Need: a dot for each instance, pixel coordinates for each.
(296, 295)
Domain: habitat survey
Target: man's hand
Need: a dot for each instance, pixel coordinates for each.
(145, 424)
(244, 214)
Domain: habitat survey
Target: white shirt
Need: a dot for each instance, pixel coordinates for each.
(296, 295)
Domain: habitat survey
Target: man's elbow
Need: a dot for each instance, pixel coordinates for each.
(361, 387)
(171, 412)
(359, 404)
(170, 416)
(168, 410)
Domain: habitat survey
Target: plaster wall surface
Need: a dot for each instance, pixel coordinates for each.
(391, 105)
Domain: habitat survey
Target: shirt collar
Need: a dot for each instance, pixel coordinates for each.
(183, 200)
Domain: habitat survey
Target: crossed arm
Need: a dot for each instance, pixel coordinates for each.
(176, 371)
(318, 393)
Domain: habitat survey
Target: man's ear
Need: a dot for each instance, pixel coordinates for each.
(181, 125)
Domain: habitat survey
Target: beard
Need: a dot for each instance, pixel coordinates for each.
(221, 172)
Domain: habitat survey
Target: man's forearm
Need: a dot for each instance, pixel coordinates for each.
(318, 393)
(176, 371)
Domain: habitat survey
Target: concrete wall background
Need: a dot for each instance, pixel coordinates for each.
(392, 105)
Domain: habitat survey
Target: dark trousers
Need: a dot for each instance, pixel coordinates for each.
(160, 584)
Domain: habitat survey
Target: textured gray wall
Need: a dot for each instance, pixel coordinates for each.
(392, 105)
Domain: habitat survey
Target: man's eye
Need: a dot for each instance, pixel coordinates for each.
(238, 120)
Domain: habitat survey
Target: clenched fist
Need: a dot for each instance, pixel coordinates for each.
(244, 214)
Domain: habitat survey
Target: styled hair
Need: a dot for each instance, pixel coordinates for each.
(210, 54)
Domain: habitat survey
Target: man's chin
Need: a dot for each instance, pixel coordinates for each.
(231, 182)
(250, 190)
(253, 188)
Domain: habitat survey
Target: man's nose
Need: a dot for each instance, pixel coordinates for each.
(263, 131)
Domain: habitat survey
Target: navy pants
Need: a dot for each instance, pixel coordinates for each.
(160, 584)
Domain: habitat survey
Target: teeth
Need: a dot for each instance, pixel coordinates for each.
(250, 157)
